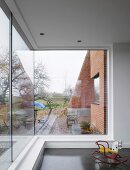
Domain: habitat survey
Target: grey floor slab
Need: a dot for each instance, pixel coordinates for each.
(76, 159)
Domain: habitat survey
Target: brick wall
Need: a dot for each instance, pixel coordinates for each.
(83, 93)
(98, 111)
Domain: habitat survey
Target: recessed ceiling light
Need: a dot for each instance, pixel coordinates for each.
(42, 33)
(79, 41)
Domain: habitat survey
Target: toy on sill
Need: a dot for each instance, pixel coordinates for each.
(108, 155)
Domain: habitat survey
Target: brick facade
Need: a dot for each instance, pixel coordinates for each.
(83, 95)
(98, 114)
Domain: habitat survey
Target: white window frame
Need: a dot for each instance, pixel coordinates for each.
(109, 136)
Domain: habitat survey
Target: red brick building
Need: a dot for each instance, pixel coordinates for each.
(84, 95)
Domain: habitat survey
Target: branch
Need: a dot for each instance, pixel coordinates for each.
(18, 75)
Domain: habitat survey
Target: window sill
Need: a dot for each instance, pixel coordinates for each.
(96, 103)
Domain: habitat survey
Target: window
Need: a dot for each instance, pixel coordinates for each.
(22, 93)
(67, 87)
(96, 88)
(4, 92)
(16, 102)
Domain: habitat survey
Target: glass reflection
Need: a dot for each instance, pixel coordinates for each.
(5, 154)
(22, 94)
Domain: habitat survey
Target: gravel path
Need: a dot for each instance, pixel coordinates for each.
(60, 126)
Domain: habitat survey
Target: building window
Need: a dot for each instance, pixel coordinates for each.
(96, 88)
(67, 85)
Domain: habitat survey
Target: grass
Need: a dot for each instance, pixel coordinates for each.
(57, 102)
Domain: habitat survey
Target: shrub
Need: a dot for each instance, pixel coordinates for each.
(85, 125)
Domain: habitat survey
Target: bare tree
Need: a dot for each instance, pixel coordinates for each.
(21, 83)
(19, 76)
(41, 80)
(4, 77)
(67, 94)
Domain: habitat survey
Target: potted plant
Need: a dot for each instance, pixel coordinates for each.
(85, 127)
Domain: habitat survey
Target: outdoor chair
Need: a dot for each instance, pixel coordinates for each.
(72, 119)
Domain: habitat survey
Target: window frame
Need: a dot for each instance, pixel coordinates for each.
(109, 117)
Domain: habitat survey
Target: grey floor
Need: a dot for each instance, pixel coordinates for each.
(76, 159)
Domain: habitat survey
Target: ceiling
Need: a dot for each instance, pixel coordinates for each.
(97, 23)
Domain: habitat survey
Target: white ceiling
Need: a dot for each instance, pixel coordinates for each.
(95, 22)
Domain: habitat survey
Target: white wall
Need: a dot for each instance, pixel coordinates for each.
(121, 91)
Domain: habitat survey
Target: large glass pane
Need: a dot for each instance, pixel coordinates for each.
(70, 92)
(5, 154)
(22, 94)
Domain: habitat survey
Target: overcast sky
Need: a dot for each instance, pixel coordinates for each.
(62, 67)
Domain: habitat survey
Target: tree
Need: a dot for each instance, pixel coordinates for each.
(67, 94)
(4, 77)
(41, 80)
(21, 83)
(19, 77)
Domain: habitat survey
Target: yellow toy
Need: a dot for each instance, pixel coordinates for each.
(114, 149)
(108, 155)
